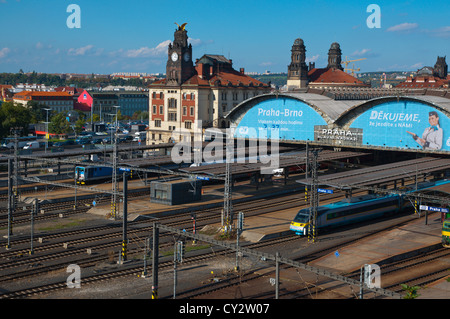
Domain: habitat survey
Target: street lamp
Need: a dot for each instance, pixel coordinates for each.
(46, 131)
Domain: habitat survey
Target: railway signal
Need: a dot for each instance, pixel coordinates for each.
(312, 227)
(239, 228)
(178, 255)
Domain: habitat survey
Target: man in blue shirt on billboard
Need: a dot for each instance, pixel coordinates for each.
(432, 136)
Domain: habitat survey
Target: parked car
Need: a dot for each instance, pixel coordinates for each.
(64, 143)
(83, 140)
(34, 145)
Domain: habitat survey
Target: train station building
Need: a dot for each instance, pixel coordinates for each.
(363, 118)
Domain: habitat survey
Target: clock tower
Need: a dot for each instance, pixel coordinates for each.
(179, 65)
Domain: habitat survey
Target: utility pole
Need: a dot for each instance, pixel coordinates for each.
(16, 131)
(312, 228)
(227, 205)
(125, 217)
(155, 261)
(178, 255)
(277, 275)
(10, 202)
(146, 248)
(194, 225)
(34, 211)
(114, 173)
(239, 228)
(46, 131)
(306, 171)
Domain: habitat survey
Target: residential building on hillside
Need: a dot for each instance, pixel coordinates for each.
(429, 77)
(5, 93)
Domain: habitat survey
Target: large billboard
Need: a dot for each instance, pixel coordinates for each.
(398, 124)
(404, 124)
(281, 118)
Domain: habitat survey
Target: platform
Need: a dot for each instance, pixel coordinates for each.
(212, 198)
(411, 237)
(407, 240)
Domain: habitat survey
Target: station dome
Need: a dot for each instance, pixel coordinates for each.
(298, 41)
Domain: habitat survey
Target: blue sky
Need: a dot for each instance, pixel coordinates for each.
(132, 36)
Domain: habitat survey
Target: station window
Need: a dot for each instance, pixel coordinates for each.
(172, 117)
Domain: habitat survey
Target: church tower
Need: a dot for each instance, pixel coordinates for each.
(179, 65)
(441, 68)
(335, 57)
(297, 70)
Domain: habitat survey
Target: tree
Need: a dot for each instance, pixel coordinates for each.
(13, 114)
(411, 291)
(95, 118)
(79, 124)
(120, 117)
(38, 114)
(59, 124)
(140, 115)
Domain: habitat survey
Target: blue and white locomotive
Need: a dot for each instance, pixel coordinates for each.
(347, 211)
(86, 174)
(355, 209)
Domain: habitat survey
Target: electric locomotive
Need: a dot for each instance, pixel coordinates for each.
(350, 210)
(357, 209)
(87, 174)
(446, 233)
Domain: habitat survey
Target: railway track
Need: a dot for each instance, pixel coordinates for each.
(134, 270)
(419, 270)
(114, 232)
(204, 217)
(52, 210)
(250, 208)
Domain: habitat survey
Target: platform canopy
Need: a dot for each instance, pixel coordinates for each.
(409, 122)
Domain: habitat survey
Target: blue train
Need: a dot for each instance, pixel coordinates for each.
(87, 174)
(355, 209)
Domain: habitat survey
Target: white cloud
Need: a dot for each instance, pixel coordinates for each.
(416, 66)
(403, 27)
(4, 52)
(314, 58)
(361, 52)
(39, 45)
(199, 42)
(195, 42)
(80, 51)
(146, 52)
(443, 32)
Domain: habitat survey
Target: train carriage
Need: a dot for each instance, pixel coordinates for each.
(351, 210)
(446, 233)
(86, 174)
(357, 209)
